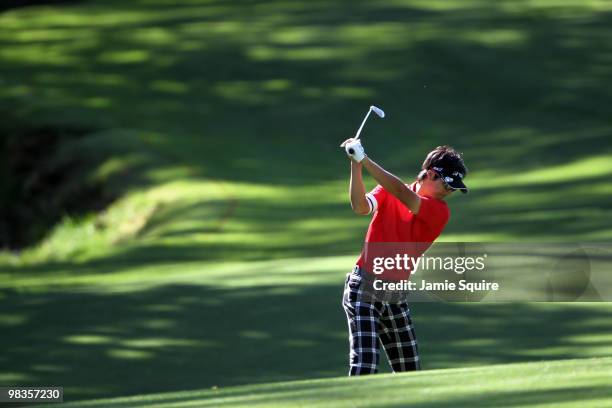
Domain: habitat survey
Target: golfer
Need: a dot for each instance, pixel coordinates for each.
(402, 213)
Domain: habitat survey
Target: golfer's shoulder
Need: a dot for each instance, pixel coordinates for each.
(437, 203)
(433, 208)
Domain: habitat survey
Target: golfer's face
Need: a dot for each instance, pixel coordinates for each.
(442, 188)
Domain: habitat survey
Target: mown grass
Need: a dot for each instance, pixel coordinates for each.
(518, 89)
(125, 328)
(570, 383)
(222, 260)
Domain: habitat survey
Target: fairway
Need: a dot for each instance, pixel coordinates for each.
(172, 176)
(571, 383)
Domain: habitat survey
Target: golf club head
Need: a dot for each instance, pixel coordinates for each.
(378, 111)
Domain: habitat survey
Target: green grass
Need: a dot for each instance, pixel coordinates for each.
(218, 124)
(121, 328)
(570, 383)
(248, 116)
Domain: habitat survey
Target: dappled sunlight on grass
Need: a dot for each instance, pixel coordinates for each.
(217, 125)
(176, 327)
(594, 166)
(169, 86)
(88, 339)
(125, 57)
(124, 354)
(126, 277)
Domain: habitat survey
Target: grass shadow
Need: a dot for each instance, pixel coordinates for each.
(180, 337)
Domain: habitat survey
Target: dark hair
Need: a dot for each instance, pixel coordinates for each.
(445, 157)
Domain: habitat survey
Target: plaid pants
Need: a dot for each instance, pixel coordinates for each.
(371, 323)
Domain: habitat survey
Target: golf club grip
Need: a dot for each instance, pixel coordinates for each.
(351, 150)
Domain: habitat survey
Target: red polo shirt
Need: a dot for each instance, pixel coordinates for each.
(393, 223)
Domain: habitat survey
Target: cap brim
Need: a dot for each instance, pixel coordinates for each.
(458, 184)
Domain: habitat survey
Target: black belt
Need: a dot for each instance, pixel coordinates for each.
(367, 287)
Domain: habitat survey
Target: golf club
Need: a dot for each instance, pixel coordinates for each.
(376, 110)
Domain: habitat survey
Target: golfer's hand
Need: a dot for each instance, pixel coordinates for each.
(354, 149)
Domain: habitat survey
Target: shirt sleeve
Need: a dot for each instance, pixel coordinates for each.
(375, 198)
(434, 213)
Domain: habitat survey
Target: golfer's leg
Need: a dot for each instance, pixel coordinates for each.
(398, 338)
(364, 343)
(363, 334)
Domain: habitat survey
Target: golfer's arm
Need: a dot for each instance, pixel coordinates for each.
(393, 185)
(359, 203)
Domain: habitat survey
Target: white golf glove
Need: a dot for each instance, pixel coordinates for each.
(354, 150)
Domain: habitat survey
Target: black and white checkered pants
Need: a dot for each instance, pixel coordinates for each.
(371, 323)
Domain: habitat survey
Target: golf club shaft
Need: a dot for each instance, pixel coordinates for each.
(362, 123)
